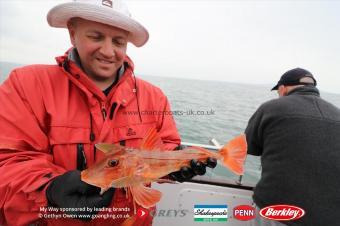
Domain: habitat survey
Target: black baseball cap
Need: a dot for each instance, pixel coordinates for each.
(292, 77)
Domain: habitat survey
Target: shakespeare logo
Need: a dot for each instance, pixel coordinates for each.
(210, 213)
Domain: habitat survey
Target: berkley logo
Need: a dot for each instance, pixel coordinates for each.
(282, 212)
(244, 212)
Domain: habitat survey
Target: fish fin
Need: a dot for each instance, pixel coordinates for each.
(121, 182)
(131, 221)
(164, 180)
(195, 149)
(170, 155)
(234, 154)
(109, 148)
(192, 149)
(152, 141)
(145, 196)
(202, 153)
(102, 190)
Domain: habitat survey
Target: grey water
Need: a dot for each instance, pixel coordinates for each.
(211, 109)
(227, 108)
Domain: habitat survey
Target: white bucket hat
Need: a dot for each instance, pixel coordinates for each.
(111, 12)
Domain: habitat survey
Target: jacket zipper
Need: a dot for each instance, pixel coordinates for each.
(81, 158)
(112, 111)
(103, 111)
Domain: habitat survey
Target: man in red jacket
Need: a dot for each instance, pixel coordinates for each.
(51, 116)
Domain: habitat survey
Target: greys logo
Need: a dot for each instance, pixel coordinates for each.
(163, 213)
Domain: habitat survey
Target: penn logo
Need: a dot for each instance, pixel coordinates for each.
(244, 212)
(282, 212)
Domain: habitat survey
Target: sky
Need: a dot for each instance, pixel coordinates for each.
(252, 42)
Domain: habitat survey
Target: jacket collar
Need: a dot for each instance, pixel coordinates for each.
(305, 90)
(124, 90)
(74, 56)
(70, 54)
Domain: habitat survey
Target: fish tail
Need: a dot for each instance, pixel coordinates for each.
(234, 154)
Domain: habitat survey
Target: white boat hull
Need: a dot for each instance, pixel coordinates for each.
(177, 204)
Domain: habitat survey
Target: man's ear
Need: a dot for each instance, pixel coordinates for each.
(71, 31)
(282, 90)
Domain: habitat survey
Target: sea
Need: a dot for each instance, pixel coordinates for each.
(211, 109)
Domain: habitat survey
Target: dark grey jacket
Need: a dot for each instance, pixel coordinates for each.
(298, 138)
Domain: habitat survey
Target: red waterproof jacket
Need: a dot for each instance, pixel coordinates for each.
(50, 115)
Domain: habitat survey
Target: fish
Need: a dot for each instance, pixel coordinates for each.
(135, 168)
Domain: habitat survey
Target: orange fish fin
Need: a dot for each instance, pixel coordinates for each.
(131, 221)
(152, 141)
(109, 148)
(121, 182)
(194, 149)
(145, 196)
(164, 180)
(202, 153)
(234, 154)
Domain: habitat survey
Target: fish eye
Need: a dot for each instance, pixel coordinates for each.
(113, 162)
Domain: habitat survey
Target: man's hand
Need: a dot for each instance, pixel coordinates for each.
(196, 168)
(68, 191)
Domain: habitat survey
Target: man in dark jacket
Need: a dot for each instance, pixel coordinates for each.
(298, 139)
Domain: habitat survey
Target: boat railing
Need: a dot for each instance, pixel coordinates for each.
(213, 146)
